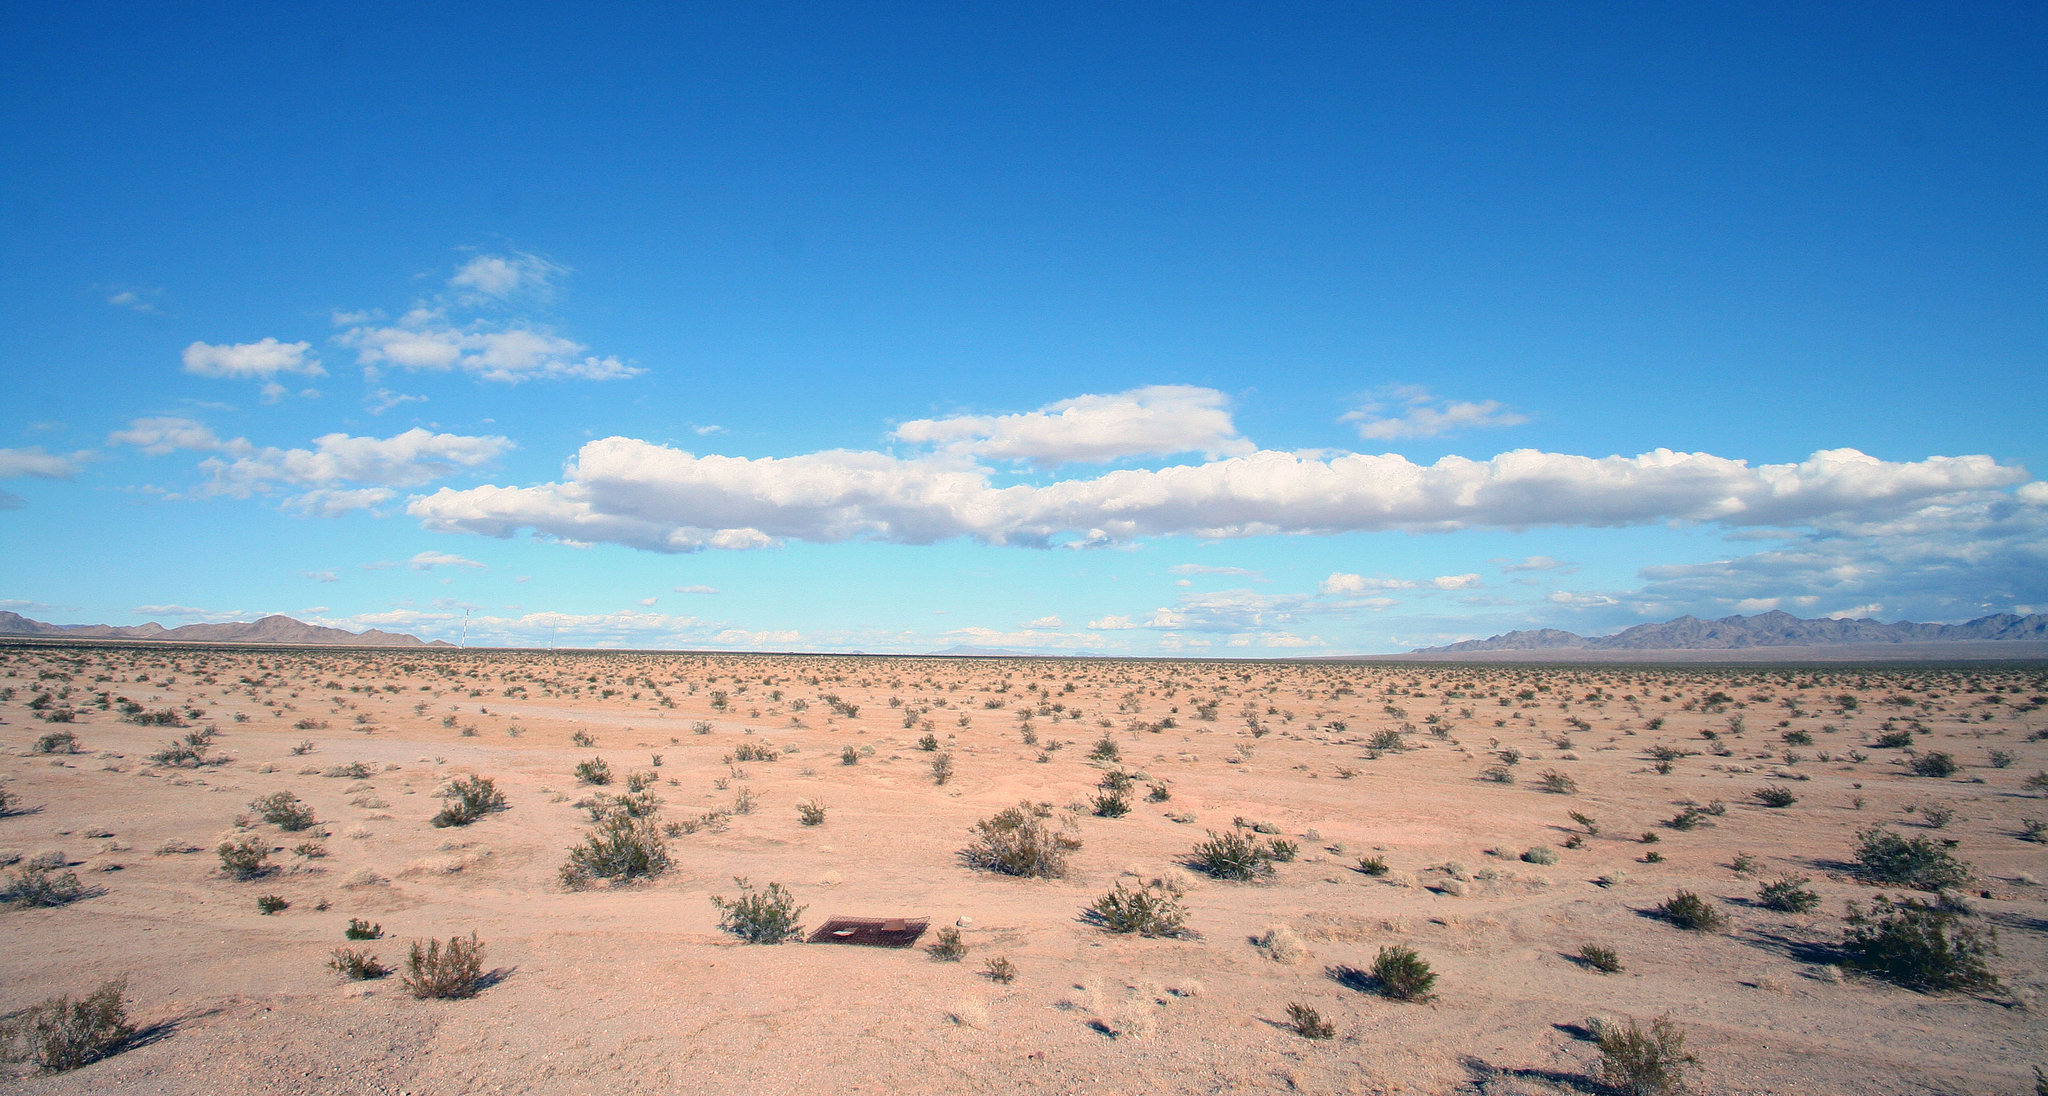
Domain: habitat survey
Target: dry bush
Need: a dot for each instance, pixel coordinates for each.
(593, 771)
(359, 929)
(948, 948)
(1774, 796)
(621, 847)
(1639, 1061)
(454, 970)
(1017, 841)
(468, 798)
(285, 811)
(1153, 909)
(810, 812)
(1308, 1023)
(760, 917)
(1233, 854)
(37, 884)
(61, 1034)
(243, 856)
(1000, 969)
(1557, 783)
(1281, 945)
(356, 965)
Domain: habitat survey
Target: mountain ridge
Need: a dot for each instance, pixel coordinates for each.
(275, 628)
(1763, 630)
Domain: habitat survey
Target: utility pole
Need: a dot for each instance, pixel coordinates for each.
(463, 643)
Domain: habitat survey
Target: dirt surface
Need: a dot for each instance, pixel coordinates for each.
(635, 988)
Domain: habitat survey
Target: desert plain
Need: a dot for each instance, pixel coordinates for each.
(1494, 818)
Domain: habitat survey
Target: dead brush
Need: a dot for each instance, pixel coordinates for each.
(445, 972)
(61, 1034)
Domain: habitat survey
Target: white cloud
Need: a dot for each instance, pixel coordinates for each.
(1409, 411)
(649, 602)
(33, 461)
(384, 399)
(263, 359)
(409, 459)
(137, 300)
(1456, 582)
(1858, 612)
(626, 491)
(499, 276)
(1155, 421)
(1538, 563)
(322, 576)
(1044, 624)
(427, 561)
(1579, 600)
(327, 502)
(1200, 569)
(166, 434)
(182, 611)
(425, 340)
(1341, 582)
(696, 589)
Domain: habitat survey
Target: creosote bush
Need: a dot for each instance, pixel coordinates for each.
(760, 917)
(1886, 857)
(1919, 945)
(1601, 958)
(810, 812)
(593, 771)
(60, 1034)
(1400, 974)
(285, 811)
(1934, 763)
(450, 971)
(272, 903)
(243, 856)
(356, 965)
(621, 846)
(1153, 909)
(1639, 1061)
(359, 929)
(1017, 841)
(1557, 783)
(467, 799)
(1774, 796)
(948, 948)
(1000, 969)
(1691, 912)
(1787, 894)
(1373, 865)
(1308, 1023)
(1233, 854)
(37, 884)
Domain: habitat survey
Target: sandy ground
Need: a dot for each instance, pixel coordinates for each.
(635, 989)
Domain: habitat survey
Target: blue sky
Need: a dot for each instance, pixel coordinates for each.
(1240, 330)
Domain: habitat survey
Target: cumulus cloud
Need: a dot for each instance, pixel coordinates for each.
(1200, 569)
(1159, 420)
(384, 399)
(426, 340)
(328, 502)
(321, 576)
(1409, 411)
(1044, 624)
(501, 276)
(627, 491)
(261, 360)
(163, 434)
(409, 459)
(1456, 582)
(1538, 563)
(1341, 582)
(34, 462)
(696, 589)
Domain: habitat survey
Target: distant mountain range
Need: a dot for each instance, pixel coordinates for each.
(1772, 629)
(271, 629)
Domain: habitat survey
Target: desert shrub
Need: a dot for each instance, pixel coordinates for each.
(1774, 796)
(1387, 740)
(1232, 854)
(1691, 912)
(1934, 763)
(359, 929)
(594, 771)
(56, 742)
(243, 856)
(2037, 782)
(948, 948)
(190, 752)
(272, 903)
(1111, 803)
(1557, 783)
(1000, 969)
(760, 917)
(1017, 841)
(468, 798)
(1399, 974)
(285, 811)
(580, 739)
(942, 769)
(37, 883)
(454, 970)
(1886, 857)
(1687, 819)
(1893, 740)
(1498, 774)
(2035, 830)
(810, 812)
(1373, 865)
(1585, 820)
(620, 847)
(1153, 909)
(1281, 945)
(1639, 1061)
(354, 770)
(929, 743)
(61, 1034)
(1600, 958)
(1105, 750)
(1308, 1023)
(1920, 946)
(355, 965)
(1541, 854)
(1787, 894)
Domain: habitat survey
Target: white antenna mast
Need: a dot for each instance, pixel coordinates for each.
(464, 642)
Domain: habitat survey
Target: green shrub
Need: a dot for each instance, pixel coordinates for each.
(359, 929)
(1498, 774)
(1557, 783)
(1000, 969)
(621, 847)
(468, 798)
(810, 812)
(272, 903)
(37, 884)
(1233, 854)
(1373, 865)
(450, 971)
(1638, 1061)
(948, 948)
(1158, 793)
(1787, 894)
(929, 743)
(1893, 740)
(61, 1034)
(1282, 851)
(357, 966)
(1691, 912)
(1541, 854)
(942, 769)
(1111, 803)
(1885, 857)
(1105, 750)
(1774, 796)
(1308, 1023)
(1934, 763)
(243, 856)
(1602, 959)
(593, 771)
(1919, 946)
(285, 811)
(1153, 909)
(56, 742)
(1017, 841)
(760, 917)
(1399, 974)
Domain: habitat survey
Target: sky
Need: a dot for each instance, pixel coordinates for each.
(1244, 330)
